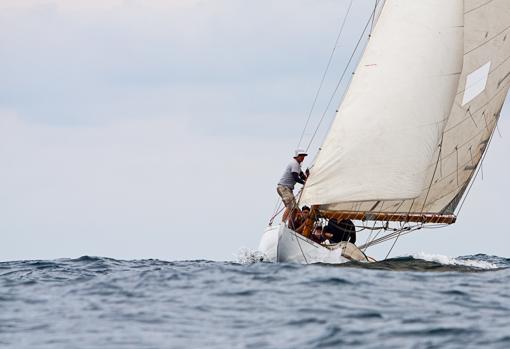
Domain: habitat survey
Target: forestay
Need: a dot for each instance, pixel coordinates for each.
(420, 110)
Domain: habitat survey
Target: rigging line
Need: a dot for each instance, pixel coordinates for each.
(410, 210)
(375, 222)
(394, 242)
(402, 231)
(277, 205)
(368, 237)
(271, 221)
(383, 238)
(340, 81)
(438, 226)
(369, 243)
(373, 17)
(499, 132)
(325, 73)
(395, 232)
(277, 209)
(302, 252)
(380, 240)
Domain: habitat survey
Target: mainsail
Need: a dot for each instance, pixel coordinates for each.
(419, 113)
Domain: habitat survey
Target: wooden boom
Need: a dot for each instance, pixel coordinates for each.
(391, 217)
(376, 216)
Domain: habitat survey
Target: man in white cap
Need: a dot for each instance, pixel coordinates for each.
(292, 175)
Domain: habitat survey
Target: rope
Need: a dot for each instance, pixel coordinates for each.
(302, 252)
(275, 215)
(373, 18)
(279, 207)
(396, 232)
(341, 79)
(391, 249)
(325, 73)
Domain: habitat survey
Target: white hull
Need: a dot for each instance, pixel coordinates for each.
(269, 243)
(281, 244)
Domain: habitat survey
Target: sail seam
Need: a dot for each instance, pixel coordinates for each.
(478, 110)
(478, 7)
(487, 41)
(434, 173)
(490, 73)
(462, 165)
(474, 175)
(461, 185)
(475, 136)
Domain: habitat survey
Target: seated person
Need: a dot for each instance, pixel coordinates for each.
(317, 235)
(298, 223)
(341, 231)
(327, 237)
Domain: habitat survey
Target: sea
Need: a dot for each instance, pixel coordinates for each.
(421, 301)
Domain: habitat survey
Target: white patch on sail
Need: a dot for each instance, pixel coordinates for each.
(476, 83)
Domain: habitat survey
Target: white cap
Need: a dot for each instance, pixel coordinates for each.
(300, 152)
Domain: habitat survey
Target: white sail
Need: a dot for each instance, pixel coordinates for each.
(390, 123)
(420, 110)
(482, 90)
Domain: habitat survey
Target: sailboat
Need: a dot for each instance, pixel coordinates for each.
(412, 129)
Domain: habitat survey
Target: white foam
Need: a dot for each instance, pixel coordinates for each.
(445, 260)
(249, 256)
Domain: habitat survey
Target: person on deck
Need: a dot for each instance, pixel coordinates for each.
(285, 188)
(298, 224)
(317, 235)
(341, 231)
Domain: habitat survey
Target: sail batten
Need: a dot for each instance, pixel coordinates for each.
(415, 123)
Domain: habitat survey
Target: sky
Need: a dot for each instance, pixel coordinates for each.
(134, 129)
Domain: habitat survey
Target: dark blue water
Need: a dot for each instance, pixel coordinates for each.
(402, 303)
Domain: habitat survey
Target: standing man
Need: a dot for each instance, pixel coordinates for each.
(291, 176)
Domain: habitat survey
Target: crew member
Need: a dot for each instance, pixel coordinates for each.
(298, 224)
(317, 235)
(292, 175)
(341, 231)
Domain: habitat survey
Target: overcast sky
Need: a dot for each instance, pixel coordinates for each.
(137, 129)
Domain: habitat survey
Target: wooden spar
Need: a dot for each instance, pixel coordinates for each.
(390, 217)
(375, 216)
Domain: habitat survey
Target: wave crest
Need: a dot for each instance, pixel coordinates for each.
(249, 256)
(467, 261)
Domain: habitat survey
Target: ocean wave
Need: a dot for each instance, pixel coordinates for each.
(416, 262)
(107, 303)
(479, 261)
(423, 262)
(249, 256)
